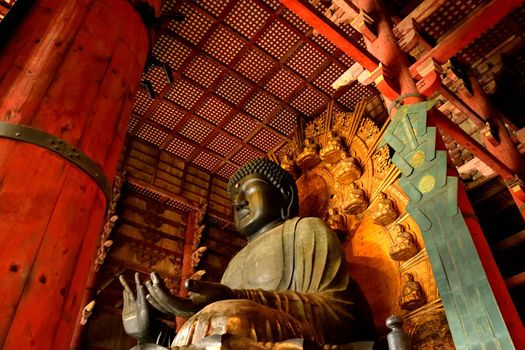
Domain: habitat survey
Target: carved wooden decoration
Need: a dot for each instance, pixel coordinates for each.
(197, 250)
(111, 219)
(354, 188)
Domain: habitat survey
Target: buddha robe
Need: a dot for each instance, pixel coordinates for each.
(291, 282)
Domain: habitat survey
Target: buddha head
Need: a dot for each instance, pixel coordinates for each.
(263, 194)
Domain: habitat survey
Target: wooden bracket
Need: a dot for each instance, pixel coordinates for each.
(408, 36)
(430, 72)
(363, 23)
(490, 133)
(382, 79)
(517, 187)
(349, 76)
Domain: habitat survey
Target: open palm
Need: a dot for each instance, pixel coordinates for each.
(135, 313)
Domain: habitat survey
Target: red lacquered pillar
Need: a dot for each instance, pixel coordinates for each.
(70, 70)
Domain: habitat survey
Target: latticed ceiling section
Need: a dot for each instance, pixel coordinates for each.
(242, 73)
(229, 82)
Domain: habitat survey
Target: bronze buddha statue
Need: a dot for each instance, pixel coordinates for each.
(290, 281)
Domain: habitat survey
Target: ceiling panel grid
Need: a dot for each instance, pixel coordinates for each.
(243, 71)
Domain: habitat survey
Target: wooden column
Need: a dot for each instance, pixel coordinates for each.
(186, 270)
(71, 69)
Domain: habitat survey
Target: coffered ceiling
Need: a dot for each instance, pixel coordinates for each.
(228, 83)
(243, 72)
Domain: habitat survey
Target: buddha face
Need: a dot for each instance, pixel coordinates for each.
(256, 204)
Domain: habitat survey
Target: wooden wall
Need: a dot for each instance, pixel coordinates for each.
(159, 193)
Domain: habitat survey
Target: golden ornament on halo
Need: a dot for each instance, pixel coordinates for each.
(288, 164)
(333, 151)
(309, 157)
(355, 202)
(404, 246)
(347, 170)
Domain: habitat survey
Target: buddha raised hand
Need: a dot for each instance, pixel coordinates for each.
(290, 281)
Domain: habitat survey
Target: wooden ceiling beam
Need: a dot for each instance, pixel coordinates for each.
(119, 262)
(140, 227)
(330, 31)
(143, 242)
(174, 197)
(465, 140)
(171, 196)
(476, 23)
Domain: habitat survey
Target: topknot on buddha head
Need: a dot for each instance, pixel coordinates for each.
(277, 176)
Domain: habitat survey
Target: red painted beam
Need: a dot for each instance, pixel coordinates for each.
(465, 140)
(476, 24)
(330, 31)
(461, 105)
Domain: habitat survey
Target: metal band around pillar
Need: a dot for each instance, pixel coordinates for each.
(43, 139)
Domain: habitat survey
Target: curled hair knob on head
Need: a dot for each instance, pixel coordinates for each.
(277, 176)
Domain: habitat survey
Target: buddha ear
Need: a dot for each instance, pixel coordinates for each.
(289, 197)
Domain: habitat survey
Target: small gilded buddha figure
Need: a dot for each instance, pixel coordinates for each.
(333, 151)
(355, 202)
(337, 222)
(309, 157)
(386, 212)
(404, 246)
(412, 296)
(290, 281)
(288, 165)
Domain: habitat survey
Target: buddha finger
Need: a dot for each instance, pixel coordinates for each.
(156, 305)
(127, 289)
(176, 303)
(137, 279)
(153, 294)
(125, 297)
(141, 300)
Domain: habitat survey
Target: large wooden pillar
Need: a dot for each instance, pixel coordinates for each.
(69, 70)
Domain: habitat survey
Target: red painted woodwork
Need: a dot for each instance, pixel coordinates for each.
(461, 105)
(475, 25)
(328, 30)
(386, 49)
(469, 143)
(70, 69)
